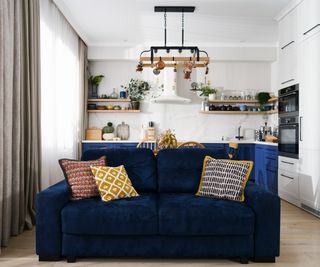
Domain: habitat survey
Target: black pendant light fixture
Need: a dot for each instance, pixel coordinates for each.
(195, 60)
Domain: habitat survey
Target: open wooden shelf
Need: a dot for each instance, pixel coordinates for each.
(109, 100)
(241, 112)
(114, 111)
(274, 99)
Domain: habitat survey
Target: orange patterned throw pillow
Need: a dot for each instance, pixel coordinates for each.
(79, 177)
(113, 183)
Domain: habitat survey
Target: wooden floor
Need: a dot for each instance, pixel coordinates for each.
(300, 246)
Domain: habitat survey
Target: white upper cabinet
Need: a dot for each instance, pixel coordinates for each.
(288, 29)
(288, 51)
(310, 18)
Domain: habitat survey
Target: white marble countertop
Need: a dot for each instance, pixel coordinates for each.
(249, 141)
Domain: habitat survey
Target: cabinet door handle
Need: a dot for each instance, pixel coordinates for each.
(300, 129)
(316, 26)
(286, 176)
(287, 45)
(287, 81)
(287, 162)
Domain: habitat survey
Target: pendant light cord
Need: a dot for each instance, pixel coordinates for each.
(165, 28)
(182, 27)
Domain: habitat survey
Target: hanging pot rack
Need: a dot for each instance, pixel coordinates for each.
(198, 59)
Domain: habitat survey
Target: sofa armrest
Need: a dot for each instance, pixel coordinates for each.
(49, 204)
(266, 207)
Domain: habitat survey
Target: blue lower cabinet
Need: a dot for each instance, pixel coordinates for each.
(247, 152)
(266, 167)
(88, 146)
(215, 145)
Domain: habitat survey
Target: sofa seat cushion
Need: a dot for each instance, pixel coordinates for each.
(128, 216)
(188, 214)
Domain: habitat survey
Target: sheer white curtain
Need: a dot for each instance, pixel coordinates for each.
(60, 94)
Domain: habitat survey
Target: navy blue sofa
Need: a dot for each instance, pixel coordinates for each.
(166, 220)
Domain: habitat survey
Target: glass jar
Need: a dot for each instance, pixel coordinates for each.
(114, 95)
(123, 131)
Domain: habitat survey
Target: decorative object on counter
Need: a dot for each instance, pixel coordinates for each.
(263, 98)
(167, 140)
(116, 107)
(271, 139)
(94, 82)
(123, 92)
(93, 134)
(108, 131)
(114, 94)
(123, 131)
(137, 89)
(151, 132)
(109, 107)
(158, 63)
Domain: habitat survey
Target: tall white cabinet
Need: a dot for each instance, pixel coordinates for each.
(305, 18)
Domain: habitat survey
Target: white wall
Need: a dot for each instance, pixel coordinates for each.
(186, 120)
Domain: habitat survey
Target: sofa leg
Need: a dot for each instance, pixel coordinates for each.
(49, 258)
(244, 260)
(264, 259)
(71, 259)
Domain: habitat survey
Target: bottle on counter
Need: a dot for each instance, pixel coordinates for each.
(151, 132)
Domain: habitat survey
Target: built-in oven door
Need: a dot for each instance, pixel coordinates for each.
(289, 140)
(289, 103)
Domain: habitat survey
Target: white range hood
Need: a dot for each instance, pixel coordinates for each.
(169, 94)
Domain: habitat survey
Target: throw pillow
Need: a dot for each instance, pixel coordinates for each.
(224, 178)
(79, 177)
(113, 183)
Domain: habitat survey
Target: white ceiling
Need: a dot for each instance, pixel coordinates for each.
(133, 22)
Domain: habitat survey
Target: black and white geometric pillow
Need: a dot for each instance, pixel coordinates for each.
(224, 178)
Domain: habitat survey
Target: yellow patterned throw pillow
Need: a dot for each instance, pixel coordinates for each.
(113, 183)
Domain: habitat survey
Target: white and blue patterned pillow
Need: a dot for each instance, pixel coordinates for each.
(224, 179)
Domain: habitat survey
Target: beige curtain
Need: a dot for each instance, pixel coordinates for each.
(84, 76)
(19, 115)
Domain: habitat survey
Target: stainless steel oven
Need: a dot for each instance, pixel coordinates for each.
(289, 101)
(289, 136)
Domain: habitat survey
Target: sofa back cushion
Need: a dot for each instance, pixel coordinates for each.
(140, 165)
(179, 170)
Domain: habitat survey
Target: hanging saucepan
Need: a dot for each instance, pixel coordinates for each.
(207, 69)
(160, 65)
(156, 71)
(139, 67)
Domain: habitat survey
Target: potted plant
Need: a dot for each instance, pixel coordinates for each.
(137, 89)
(207, 91)
(94, 81)
(263, 98)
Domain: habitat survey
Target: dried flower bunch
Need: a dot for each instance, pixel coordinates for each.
(167, 140)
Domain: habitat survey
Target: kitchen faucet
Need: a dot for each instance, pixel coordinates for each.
(239, 137)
